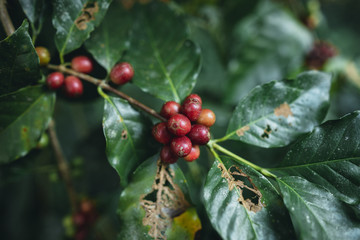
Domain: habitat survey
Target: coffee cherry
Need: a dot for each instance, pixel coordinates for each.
(73, 86)
(169, 109)
(82, 64)
(179, 125)
(181, 146)
(79, 219)
(206, 118)
(191, 108)
(121, 73)
(167, 156)
(43, 54)
(319, 55)
(55, 80)
(199, 134)
(194, 154)
(194, 97)
(161, 133)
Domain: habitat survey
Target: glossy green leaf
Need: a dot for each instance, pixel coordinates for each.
(74, 20)
(24, 116)
(231, 219)
(165, 61)
(126, 132)
(315, 212)
(130, 211)
(276, 113)
(107, 43)
(268, 45)
(19, 63)
(329, 156)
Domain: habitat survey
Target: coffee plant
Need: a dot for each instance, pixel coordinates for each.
(156, 119)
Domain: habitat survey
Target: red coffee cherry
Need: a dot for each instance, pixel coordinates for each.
(169, 109)
(206, 118)
(167, 156)
(199, 134)
(194, 97)
(79, 219)
(181, 146)
(55, 80)
(179, 125)
(161, 133)
(191, 108)
(73, 86)
(82, 64)
(43, 54)
(194, 154)
(121, 73)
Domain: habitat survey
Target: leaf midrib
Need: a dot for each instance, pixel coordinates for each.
(304, 202)
(161, 63)
(316, 163)
(40, 97)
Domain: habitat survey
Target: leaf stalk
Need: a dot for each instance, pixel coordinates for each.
(213, 145)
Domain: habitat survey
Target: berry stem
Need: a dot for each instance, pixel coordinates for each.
(62, 166)
(214, 145)
(5, 19)
(103, 85)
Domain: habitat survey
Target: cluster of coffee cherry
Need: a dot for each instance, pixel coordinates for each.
(84, 219)
(319, 55)
(186, 128)
(120, 74)
(72, 85)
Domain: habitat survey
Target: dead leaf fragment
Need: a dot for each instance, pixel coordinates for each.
(241, 131)
(87, 15)
(169, 202)
(283, 110)
(237, 179)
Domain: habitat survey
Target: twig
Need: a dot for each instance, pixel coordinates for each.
(5, 19)
(107, 87)
(63, 166)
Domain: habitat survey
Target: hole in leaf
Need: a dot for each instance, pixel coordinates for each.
(87, 15)
(164, 202)
(249, 194)
(267, 132)
(124, 134)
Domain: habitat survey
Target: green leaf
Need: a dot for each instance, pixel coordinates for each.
(276, 113)
(329, 156)
(165, 61)
(74, 20)
(234, 221)
(19, 63)
(130, 210)
(268, 45)
(107, 43)
(24, 116)
(316, 213)
(127, 133)
(35, 11)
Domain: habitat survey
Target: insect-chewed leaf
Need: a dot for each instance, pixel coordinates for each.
(329, 156)
(242, 203)
(276, 113)
(24, 116)
(268, 45)
(155, 198)
(126, 132)
(165, 61)
(74, 20)
(315, 212)
(107, 43)
(19, 63)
